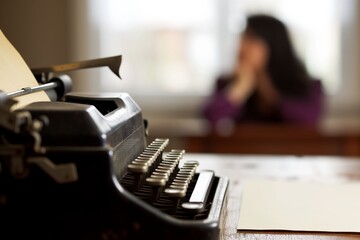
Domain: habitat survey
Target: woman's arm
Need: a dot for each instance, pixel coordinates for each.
(219, 107)
(227, 103)
(306, 110)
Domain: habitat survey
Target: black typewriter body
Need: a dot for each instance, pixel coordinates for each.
(86, 182)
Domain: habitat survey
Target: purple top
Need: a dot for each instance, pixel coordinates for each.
(305, 110)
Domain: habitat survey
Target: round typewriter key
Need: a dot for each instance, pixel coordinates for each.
(146, 157)
(189, 171)
(187, 175)
(171, 169)
(192, 162)
(176, 184)
(180, 151)
(176, 180)
(174, 165)
(161, 140)
(176, 152)
(155, 181)
(168, 166)
(184, 171)
(192, 205)
(178, 187)
(166, 178)
(179, 193)
(164, 140)
(190, 165)
(163, 170)
(182, 178)
(152, 149)
(171, 154)
(137, 168)
(149, 154)
(142, 159)
(160, 174)
(170, 161)
(140, 163)
(183, 184)
(153, 154)
(156, 145)
(172, 158)
(188, 168)
(163, 163)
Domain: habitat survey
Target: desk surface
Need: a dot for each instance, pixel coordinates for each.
(307, 168)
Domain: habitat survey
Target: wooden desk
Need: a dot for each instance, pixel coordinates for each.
(242, 167)
(277, 139)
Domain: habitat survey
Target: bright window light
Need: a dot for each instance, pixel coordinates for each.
(181, 46)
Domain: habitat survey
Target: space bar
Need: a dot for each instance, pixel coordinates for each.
(200, 193)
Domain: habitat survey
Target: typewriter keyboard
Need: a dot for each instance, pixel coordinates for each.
(158, 178)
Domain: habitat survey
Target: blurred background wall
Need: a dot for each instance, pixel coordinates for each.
(173, 50)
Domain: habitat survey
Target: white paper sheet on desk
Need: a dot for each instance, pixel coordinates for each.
(296, 206)
(15, 74)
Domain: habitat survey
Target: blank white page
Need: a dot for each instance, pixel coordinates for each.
(300, 206)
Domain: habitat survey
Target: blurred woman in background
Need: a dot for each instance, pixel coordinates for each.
(269, 82)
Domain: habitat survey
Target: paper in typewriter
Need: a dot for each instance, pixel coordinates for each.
(15, 74)
(299, 206)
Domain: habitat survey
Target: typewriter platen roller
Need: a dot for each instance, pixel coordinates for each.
(89, 172)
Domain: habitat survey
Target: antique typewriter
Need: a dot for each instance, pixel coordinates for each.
(82, 167)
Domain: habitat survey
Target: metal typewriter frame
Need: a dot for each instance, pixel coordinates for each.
(79, 212)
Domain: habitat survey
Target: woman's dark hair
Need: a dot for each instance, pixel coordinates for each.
(287, 72)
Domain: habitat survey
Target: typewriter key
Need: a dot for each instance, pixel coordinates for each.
(175, 192)
(200, 193)
(177, 180)
(154, 181)
(138, 168)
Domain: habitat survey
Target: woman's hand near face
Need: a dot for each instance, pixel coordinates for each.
(243, 85)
